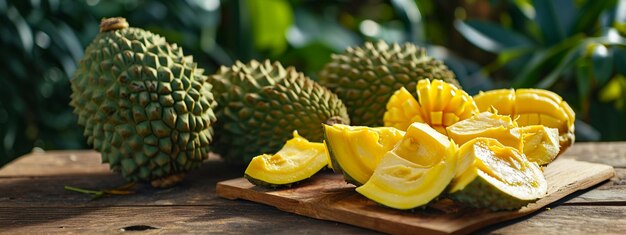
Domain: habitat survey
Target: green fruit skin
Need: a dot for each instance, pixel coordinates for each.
(264, 184)
(481, 194)
(336, 167)
(365, 77)
(144, 106)
(261, 104)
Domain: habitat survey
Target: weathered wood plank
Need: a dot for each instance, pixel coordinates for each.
(198, 188)
(567, 220)
(60, 163)
(242, 219)
(609, 153)
(55, 163)
(266, 220)
(612, 192)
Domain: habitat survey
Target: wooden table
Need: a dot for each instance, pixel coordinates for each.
(33, 200)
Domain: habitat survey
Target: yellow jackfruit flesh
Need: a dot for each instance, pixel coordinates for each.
(490, 125)
(356, 150)
(491, 175)
(440, 105)
(541, 143)
(415, 172)
(297, 160)
(532, 107)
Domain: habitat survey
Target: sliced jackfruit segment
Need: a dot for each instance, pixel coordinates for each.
(415, 172)
(356, 150)
(541, 143)
(502, 100)
(487, 124)
(402, 110)
(440, 105)
(532, 107)
(297, 160)
(491, 175)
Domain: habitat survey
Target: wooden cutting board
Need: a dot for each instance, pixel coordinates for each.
(326, 196)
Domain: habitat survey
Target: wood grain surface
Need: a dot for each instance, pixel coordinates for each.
(328, 197)
(33, 201)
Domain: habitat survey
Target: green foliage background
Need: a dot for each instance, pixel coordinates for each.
(575, 47)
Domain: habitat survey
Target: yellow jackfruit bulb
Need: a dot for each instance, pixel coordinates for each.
(439, 104)
(541, 143)
(402, 110)
(296, 161)
(355, 151)
(532, 107)
(415, 172)
(487, 124)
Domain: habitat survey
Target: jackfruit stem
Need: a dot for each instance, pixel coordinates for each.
(115, 23)
(334, 120)
(122, 190)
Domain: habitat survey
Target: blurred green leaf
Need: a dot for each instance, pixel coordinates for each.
(410, 14)
(566, 12)
(588, 15)
(529, 74)
(506, 58)
(584, 77)
(23, 31)
(565, 63)
(491, 37)
(612, 37)
(620, 12)
(607, 119)
(310, 28)
(309, 59)
(553, 28)
(613, 89)
(525, 7)
(602, 61)
(620, 60)
(394, 32)
(270, 20)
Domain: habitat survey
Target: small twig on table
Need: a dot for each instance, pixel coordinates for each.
(122, 190)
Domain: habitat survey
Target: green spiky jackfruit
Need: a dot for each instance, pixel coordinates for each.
(261, 104)
(145, 106)
(365, 77)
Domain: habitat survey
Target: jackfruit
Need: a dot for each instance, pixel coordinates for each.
(145, 106)
(415, 172)
(365, 77)
(491, 175)
(440, 105)
(541, 143)
(296, 161)
(260, 104)
(532, 107)
(487, 124)
(355, 151)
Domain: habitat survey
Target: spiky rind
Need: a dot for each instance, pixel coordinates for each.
(481, 194)
(365, 77)
(145, 106)
(261, 104)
